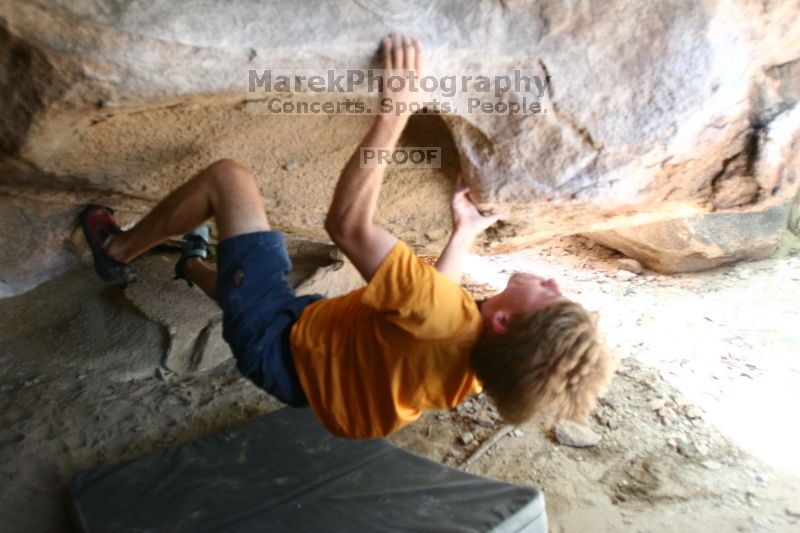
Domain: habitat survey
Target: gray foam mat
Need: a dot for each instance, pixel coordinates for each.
(284, 472)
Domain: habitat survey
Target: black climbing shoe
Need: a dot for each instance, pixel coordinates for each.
(195, 244)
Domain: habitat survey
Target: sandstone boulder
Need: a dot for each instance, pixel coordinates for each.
(699, 243)
(192, 321)
(34, 240)
(651, 113)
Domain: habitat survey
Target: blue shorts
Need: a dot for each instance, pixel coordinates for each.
(259, 309)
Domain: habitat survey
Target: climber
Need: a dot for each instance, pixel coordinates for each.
(370, 361)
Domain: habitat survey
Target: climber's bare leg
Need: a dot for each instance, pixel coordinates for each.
(225, 190)
(203, 275)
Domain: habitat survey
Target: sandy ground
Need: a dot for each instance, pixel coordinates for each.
(698, 429)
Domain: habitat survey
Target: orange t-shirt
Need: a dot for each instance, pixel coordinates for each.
(372, 360)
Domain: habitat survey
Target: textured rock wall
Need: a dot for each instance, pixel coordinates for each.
(655, 112)
(770, 161)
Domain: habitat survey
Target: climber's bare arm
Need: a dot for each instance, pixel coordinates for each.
(468, 223)
(350, 217)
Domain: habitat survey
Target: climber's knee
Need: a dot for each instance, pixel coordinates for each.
(235, 198)
(227, 173)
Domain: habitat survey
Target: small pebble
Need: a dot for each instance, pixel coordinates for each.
(693, 412)
(624, 275)
(657, 404)
(630, 265)
(667, 414)
(681, 401)
(569, 433)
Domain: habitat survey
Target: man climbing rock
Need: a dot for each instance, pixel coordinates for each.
(370, 361)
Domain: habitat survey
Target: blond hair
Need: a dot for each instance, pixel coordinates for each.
(549, 362)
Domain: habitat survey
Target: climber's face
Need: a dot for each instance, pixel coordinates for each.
(524, 293)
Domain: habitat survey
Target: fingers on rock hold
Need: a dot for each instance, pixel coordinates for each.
(387, 52)
(397, 51)
(410, 53)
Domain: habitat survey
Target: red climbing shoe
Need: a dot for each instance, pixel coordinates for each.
(98, 225)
